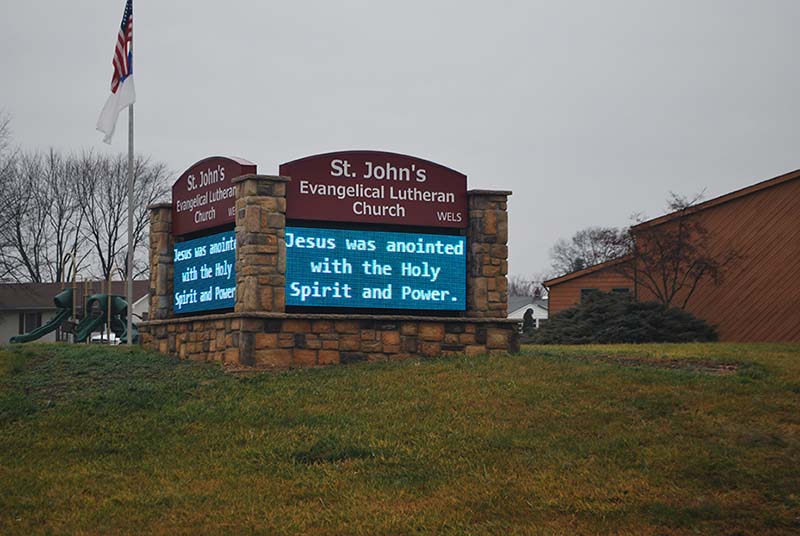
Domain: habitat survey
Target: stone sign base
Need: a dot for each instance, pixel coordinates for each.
(285, 340)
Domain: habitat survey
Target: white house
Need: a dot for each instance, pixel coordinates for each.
(517, 305)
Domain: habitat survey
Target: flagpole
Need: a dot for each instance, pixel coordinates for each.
(129, 327)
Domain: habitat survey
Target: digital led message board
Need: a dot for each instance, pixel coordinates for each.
(205, 276)
(375, 270)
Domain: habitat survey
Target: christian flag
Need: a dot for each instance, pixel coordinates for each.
(123, 93)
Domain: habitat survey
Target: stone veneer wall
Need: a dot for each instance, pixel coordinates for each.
(260, 244)
(260, 334)
(487, 257)
(162, 246)
(275, 340)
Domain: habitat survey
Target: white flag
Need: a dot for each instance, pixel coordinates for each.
(123, 93)
(125, 96)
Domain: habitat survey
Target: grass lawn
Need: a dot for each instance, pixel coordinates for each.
(661, 439)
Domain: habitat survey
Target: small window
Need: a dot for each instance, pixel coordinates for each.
(29, 321)
(33, 321)
(621, 290)
(586, 292)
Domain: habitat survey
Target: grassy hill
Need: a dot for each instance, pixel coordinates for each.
(661, 439)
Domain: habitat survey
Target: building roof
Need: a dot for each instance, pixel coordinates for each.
(737, 194)
(39, 296)
(727, 198)
(515, 302)
(586, 271)
(518, 302)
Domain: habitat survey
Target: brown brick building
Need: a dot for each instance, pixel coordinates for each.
(759, 297)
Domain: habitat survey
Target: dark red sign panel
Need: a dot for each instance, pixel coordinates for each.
(204, 196)
(375, 187)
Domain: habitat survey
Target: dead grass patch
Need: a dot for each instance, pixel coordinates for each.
(700, 366)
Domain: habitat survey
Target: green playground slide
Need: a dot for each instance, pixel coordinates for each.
(119, 322)
(120, 326)
(96, 322)
(44, 329)
(89, 325)
(63, 301)
(119, 318)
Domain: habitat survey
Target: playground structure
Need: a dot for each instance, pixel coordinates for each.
(96, 313)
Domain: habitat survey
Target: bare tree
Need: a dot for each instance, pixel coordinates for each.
(65, 217)
(103, 189)
(5, 132)
(7, 158)
(23, 235)
(588, 247)
(57, 205)
(40, 219)
(53, 206)
(8, 176)
(672, 258)
(530, 286)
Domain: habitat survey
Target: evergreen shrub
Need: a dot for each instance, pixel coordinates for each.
(609, 318)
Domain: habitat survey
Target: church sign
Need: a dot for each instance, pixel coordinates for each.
(375, 187)
(204, 197)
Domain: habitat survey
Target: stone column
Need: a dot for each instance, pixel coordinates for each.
(487, 253)
(260, 244)
(161, 261)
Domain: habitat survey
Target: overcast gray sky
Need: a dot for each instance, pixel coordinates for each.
(589, 111)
